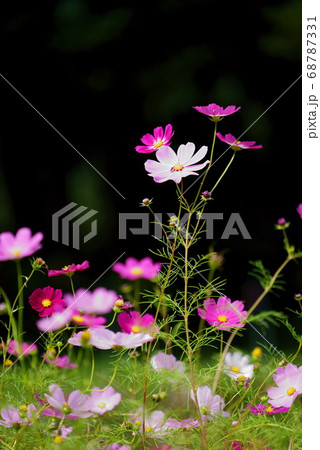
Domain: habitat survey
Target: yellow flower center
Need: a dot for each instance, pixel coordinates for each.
(101, 405)
(119, 303)
(238, 142)
(8, 363)
(222, 318)
(16, 252)
(177, 167)
(257, 352)
(23, 408)
(58, 440)
(241, 377)
(158, 143)
(136, 271)
(149, 429)
(135, 329)
(86, 335)
(291, 391)
(78, 319)
(46, 302)
(269, 409)
(66, 267)
(235, 369)
(138, 422)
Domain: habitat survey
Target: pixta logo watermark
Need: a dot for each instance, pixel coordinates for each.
(69, 226)
(234, 225)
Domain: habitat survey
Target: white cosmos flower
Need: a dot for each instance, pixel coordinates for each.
(238, 365)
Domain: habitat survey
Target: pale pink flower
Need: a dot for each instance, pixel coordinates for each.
(163, 361)
(160, 138)
(289, 381)
(104, 400)
(64, 431)
(175, 166)
(116, 446)
(61, 362)
(223, 314)
(107, 339)
(133, 269)
(186, 423)
(235, 144)
(87, 320)
(17, 416)
(135, 322)
(76, 403)
(216, 112)
(69, 270)
(17, 349)
(18, 246)
(210, 405)
(99, 301)
(237, 366)
(155, 424)
(55, 322)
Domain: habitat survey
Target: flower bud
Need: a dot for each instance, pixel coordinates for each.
(216, 260)
(206, 195)
(256, 353)
(235, 423)
(283, 362)
(38, 263)
(263, 399)
(126, 288)
(298, 297)
(146, 202)
(282, 224)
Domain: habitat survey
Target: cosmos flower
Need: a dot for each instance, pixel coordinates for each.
(163, 361)
(216, 112)
(160, 138)
(289, 381)
(223, 314)
(155, 424)
(55, 322)
(117, 446)
(260, 409)
(17, 349)
(76, 403)
(69, 270)
(99, 301)
(135, 322)
(133, 269)
(104, 400)
(186, 423)
(61, 362)
(235, 144)
(107, 339)
(237, 366)
(210, 405)
(18, 246)
(299, 210)
(17, 416)
(175, 166)
(87, 320)
(47, 301)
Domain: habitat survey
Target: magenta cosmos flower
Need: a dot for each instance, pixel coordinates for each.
(235, 144)
(289, 381)
(262, 409)
(104, 400)
(175, 166)
(223, 314)
(210, 405)
(99, 301)
(47, 301)
(160, 138)
(69, 270)
(299, 210)
(18, 246)
(17, 416)
(216, 112)
(107, 339)
(136, 323)
(164, 361)
(133, 269)
(61, 362)
(76, 403)
(17, 349)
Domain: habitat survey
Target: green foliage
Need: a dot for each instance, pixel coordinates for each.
(264, 277)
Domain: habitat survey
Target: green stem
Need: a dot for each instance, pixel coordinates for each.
(20, 304)
(224, 172)
(72, 286)
(92, 369)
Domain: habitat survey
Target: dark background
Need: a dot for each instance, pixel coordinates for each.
(106, 73)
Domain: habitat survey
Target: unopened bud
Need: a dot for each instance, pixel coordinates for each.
(298, 297)
(126, 288)
(283, 362)
(282, 224)
(206, 195)
(264, 398)
(235, 423)
(216, 260)
(146, 202)
(38, 263)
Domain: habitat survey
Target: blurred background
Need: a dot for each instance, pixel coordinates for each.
(106, 73)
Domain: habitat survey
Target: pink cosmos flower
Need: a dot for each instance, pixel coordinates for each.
(224, 314)
(17, 349)
(116, 446)
(104, 400)
(237, 366)
(235, 144)
(76, 403)
(216, 112)
(135, 322)
(299, 210)
(289, 381)
(55, 322)
(87, 320)
(152, 143)
(164, 361)
(64, 431)
(175, 166)
(69, 270)
(61, 362)
(262, 409)
(107, 339)
(17, 416)
(18, 246)
(133, 269)
(210, 405)
(99, 301)
(154, 425)
(186, 423)
(47, 301)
